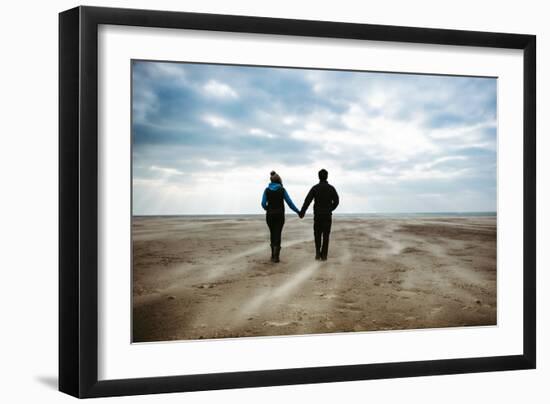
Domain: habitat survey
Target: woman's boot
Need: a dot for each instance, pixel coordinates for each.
(276, 253)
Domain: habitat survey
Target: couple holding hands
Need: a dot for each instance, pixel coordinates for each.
(326, 200)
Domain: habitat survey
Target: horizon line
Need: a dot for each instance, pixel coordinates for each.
(492, 212)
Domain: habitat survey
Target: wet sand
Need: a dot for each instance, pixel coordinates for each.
(196, 278)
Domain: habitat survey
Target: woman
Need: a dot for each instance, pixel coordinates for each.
(272, 202)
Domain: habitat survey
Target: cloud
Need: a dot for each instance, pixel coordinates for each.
(206, 137)
(220, 90)
(216, 121)
(166, 171)
(261, 133)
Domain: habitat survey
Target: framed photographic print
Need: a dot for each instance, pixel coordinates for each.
(249, 201)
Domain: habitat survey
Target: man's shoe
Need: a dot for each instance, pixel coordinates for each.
(323, 258)
(317, 257)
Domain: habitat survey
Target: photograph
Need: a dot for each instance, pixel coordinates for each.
(271, 201)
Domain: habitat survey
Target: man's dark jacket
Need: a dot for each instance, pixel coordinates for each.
(326, 199)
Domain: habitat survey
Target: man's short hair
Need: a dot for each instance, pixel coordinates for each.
(323, 174)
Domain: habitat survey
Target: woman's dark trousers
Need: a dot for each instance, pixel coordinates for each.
(275, 222)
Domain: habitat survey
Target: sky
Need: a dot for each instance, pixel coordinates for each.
(205, 138)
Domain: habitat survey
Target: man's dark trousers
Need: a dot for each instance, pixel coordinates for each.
(321, 230)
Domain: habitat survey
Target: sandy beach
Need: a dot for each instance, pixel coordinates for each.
(211, 277)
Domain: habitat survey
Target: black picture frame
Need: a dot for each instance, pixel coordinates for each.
(78, 201)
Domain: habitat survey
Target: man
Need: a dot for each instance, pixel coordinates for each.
(326, 200)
